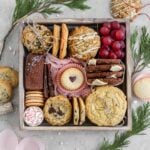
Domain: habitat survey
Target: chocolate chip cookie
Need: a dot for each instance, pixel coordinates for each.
(58, 110)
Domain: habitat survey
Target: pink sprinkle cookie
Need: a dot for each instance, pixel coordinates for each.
(33, 116)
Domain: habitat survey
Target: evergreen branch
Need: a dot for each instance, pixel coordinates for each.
(141, 121)
(141, 56)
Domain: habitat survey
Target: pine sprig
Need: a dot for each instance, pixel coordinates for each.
(140, 122)
(27, 7)
(140, 53)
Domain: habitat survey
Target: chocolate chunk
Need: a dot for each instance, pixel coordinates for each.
(51, 110)
(72, 78)
(34, 71)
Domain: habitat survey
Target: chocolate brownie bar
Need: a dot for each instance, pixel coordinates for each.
(34, 72)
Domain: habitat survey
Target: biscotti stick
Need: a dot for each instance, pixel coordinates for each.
(104, 74)
(56, 35)
(103, 61)
(109, 81)
(63, 42)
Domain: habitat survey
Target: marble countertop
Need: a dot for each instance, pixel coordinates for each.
(76, 140)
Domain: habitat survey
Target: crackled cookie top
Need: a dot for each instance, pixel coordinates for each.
(106, 106)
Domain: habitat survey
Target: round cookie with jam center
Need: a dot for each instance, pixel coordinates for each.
(106, 106)
(71, 78)
(58, 110)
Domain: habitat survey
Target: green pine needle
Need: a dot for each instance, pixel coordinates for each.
(25, 8)
(141, 54)
(140, 122)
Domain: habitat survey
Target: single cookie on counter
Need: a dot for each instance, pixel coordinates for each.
(33, 116)
(56, 41)
(58, 110)
(83, 43)
(37, 38)
(34, 72)
(63, 41)
(5, 91)
(106, 106)
(141, 86)
(75, 111)
(10, 75)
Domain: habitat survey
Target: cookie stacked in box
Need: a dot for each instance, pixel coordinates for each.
(71, 74)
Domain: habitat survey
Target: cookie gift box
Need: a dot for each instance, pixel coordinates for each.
(81, 92)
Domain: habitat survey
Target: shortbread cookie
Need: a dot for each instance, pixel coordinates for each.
(56, 40)
(38, 104)
(106, 106)
(63, 42)
(83, 43)
(141, 87)
(37, 38)
(58, 110)
(10, 75)
(82, 111)
(76, 114)
(5, 91)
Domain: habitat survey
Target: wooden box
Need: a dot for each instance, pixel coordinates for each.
(126, 87)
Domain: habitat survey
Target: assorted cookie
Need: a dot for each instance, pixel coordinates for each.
(83, 43)
(65, 80)
(8, 81)
(106, 106)
(79, 113)
(141, 86)
(34, 98)
(105, 72)
(125, 9)
(58, 110)
(37, 38)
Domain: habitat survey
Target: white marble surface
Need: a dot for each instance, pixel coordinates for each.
(61, 140)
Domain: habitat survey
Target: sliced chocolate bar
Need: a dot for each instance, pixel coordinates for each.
(34, 71)
(50, 83)
(46, 91)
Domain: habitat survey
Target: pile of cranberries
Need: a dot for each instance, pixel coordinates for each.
(113, 40)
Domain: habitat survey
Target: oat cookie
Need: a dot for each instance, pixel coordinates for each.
(58, 110)
(106, 106)
(10, 75)
(76, 115)
(5, 91)
(37, 38)
(83, 43)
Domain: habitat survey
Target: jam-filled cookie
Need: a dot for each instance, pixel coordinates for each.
(106, 106)
(58, 110)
